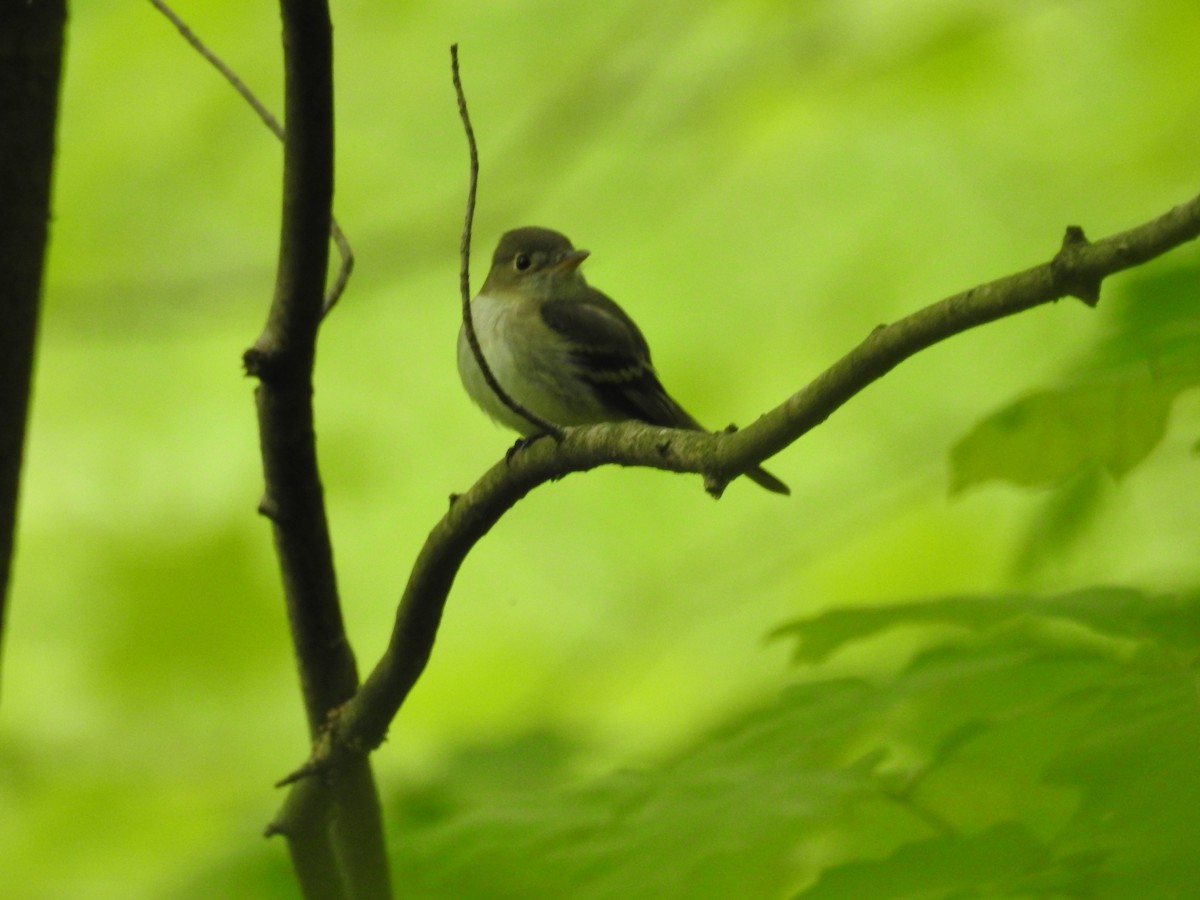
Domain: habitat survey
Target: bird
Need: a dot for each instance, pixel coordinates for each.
(562, 349)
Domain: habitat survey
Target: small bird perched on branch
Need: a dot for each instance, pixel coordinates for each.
(561, 349)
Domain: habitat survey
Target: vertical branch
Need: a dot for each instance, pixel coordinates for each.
(342, 824)
(31, 47)
(464, 270)
(464, 247)
(282, 359)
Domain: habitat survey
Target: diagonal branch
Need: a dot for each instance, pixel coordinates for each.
(268, 118)
(1076, 270)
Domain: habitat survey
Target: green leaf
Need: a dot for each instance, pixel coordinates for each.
(995, 863)
(1112, 613)
(1112, 413)
(1039, 748)
(1049, 436)
(1050, 741)
(724, 818)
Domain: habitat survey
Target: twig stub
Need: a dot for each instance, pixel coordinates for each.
(1084, 288)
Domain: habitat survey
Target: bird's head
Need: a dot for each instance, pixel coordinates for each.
(537, 263)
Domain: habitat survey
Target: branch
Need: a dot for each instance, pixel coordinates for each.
(464, 272)
(1077, 270)
(282, 359)
(342, 824)
(31, 47)
(345, 253)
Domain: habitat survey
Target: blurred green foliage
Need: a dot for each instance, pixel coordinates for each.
(1113, 412)
(760, 183)
(1026, 749)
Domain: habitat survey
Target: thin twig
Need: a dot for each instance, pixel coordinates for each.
(464, 271)
(268, 118)
(345, 267)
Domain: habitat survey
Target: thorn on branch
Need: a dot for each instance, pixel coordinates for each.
(1082, 287)
(253, 362)
(322, 758)
(268, 509)
(715, 486)
(273, 829)
(310, 768)
(1074, 237)
(261, 363)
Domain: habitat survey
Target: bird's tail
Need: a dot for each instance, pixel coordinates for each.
(656, 406)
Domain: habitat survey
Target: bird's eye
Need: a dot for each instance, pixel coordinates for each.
(522, 262)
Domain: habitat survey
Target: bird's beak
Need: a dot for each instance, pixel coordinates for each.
(571, 260)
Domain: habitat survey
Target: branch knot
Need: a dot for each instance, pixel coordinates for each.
(1065, 267)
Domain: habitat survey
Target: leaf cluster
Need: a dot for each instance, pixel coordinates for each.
(1037, 748)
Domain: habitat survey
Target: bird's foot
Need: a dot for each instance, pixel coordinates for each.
(523, 442)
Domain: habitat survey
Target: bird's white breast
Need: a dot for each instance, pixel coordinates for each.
(530, 361)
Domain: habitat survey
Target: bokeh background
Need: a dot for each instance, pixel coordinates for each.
(760, 184)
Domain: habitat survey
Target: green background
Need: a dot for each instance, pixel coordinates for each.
(984, 584)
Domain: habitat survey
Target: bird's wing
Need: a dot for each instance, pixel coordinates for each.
(613, 359)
